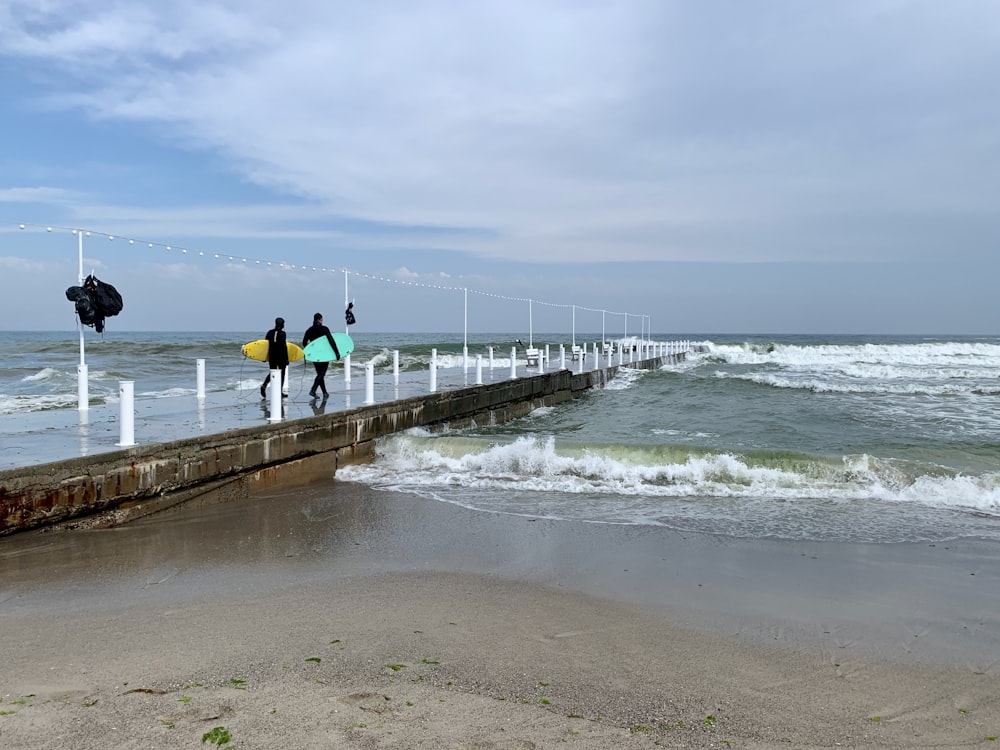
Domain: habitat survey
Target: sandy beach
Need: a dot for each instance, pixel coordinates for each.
(337, 616)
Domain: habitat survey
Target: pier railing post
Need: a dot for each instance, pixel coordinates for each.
(395, 366)
(274, 402)
(479, 369)
(513, 362)
(200, 365)
(434, 370)
(369, 383)
(126, 394)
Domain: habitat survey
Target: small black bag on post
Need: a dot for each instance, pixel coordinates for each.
(106, 298)
(86, 310)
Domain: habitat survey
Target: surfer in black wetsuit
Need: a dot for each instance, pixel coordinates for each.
(277, 354)
(315, 331)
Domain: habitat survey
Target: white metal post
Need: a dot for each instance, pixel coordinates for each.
(513, 362)
(434, 370)
(479, 369)
(200, 365)
(530, 341)
(491, 359)
(347, 330)
(82, 395)
(395, 366)
(369, 383)
(274, 402)
(126, 397)
(562, 356)
(574, 328)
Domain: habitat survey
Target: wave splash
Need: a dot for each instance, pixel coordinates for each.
(765, 493)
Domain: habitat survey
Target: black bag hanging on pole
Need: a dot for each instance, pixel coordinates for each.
(85, 308)
(106, 298)
(349, 315)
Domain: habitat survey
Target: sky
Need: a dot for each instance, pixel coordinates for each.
(679, 166)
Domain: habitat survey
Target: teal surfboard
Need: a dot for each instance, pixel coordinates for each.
(319, 350)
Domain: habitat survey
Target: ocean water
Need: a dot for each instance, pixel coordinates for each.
(839, 438)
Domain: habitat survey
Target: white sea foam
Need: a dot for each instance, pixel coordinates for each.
(25, 404)
(536, 466)
(935, 369)
(46, 373)
(625, 378)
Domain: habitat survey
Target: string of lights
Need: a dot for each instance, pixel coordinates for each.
(265, 263)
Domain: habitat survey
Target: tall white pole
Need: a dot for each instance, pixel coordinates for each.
(529, 325)
(465, 335)
(82, 395)
(347, 330)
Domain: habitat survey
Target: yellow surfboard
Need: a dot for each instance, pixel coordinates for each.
(258, 350)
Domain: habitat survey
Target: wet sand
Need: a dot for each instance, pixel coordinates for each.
(336, 616)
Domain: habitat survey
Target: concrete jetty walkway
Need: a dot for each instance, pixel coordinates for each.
(65, 467)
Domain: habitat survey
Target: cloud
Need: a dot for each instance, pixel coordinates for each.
(36, 195)
(24, 265)
(557, 131)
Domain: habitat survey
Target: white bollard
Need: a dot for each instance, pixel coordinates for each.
(621, 354)
(82, 396)
(274, 402)
(395, 366)
(126, 395)
(369, 383)
(562, 356)
(479, 369)
(200, 364)
(610, 354)
(547, 357)
(513, 362)
(347, 372)
(434, 370)
(465, 359)
(491, 359)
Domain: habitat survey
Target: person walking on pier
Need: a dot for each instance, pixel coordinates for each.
(277, 354)
(315, 331)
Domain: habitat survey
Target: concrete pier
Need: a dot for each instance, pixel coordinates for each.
(115, 487)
